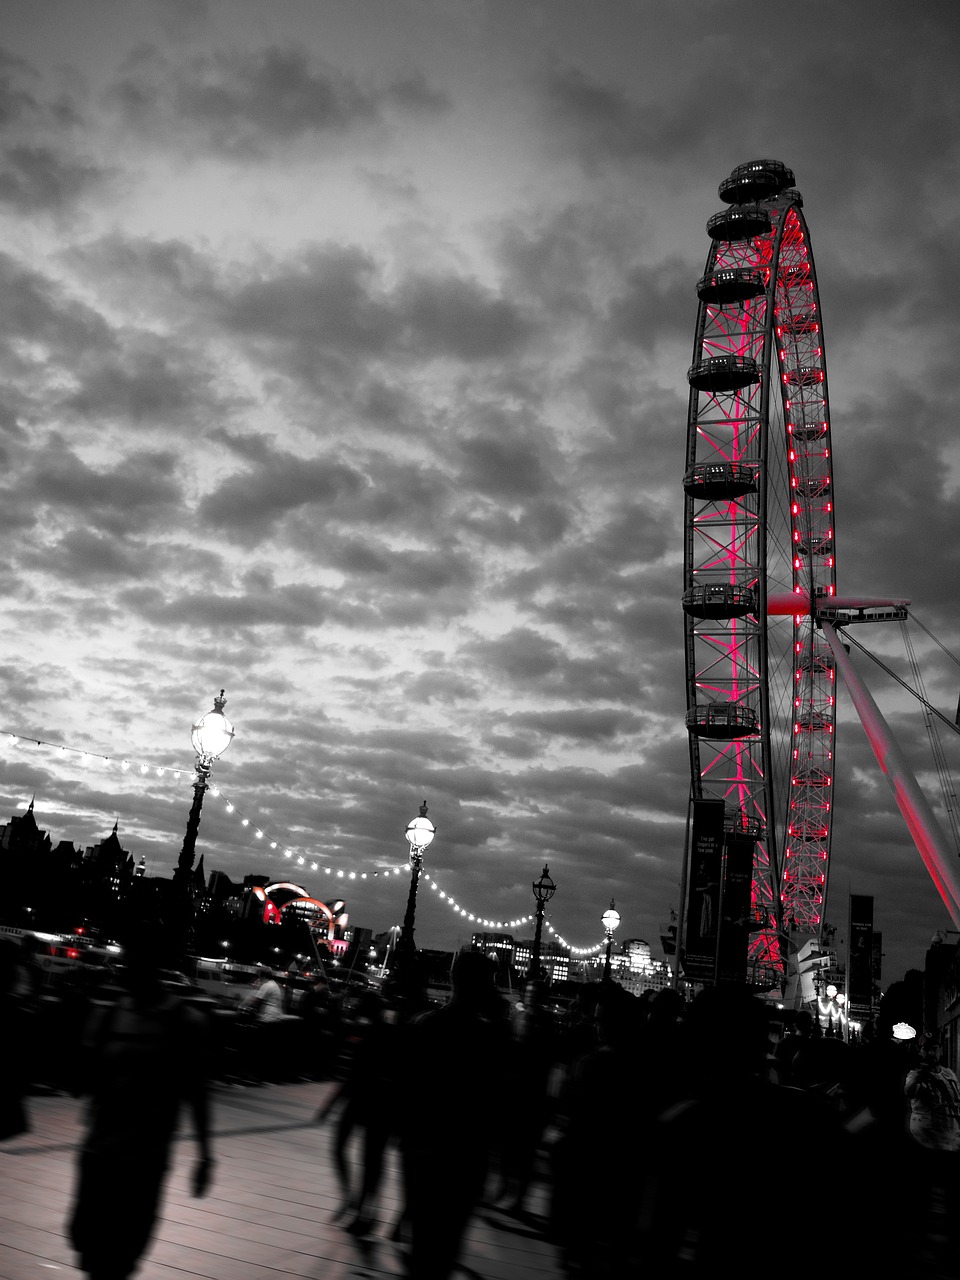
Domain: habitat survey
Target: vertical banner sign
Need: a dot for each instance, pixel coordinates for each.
(860, 953)
(735, 911)
(703, 895)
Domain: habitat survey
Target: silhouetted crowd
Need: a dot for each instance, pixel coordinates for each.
(638, 1135)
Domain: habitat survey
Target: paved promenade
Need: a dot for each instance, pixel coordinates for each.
(268, 1214)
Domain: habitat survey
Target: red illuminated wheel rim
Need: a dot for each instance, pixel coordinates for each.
(759, 525)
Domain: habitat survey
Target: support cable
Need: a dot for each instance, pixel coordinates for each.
(947, 789)
(848, 639)
(940, 645)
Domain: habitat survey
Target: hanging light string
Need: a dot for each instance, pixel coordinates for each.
(462, 911)
(509, 924)
(568, 946)
(88, 758)
(260, 833)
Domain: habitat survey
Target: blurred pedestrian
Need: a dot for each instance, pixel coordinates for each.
(447, 1103)
(142, 1057)
(320, 1013)
(265, 998)
(702, 1152)
(604, 1113)
(528, 1102)
(269, 1031)
(934, 1096)
(799, 1026)
(363, 1106)
(933, 1093)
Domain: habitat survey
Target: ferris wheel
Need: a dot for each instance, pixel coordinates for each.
(758, 531)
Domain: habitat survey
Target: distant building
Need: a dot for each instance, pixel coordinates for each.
(499, 946)
(22, 838)
(633, 967)
(107, 866)
(554, 960)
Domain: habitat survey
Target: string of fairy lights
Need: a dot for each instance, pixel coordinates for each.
(90, 759)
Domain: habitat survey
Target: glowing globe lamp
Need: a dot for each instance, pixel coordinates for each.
(213, 732)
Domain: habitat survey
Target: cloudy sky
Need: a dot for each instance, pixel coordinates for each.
(344, 347)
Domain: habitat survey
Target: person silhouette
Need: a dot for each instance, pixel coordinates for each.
(141, 1057)
(455, 1059)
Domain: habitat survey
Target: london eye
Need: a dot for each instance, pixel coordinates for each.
(759, 533)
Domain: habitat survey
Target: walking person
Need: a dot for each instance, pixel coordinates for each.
(263, 1008)
(364, 1109)
(454, 1059)
(142, 1058)
(933, 1093)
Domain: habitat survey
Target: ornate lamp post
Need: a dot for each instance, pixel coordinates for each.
(419, 833)
(543, 891)
(610, 920)
(211, 736)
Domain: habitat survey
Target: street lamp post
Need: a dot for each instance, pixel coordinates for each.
(610, 919)
(419, 833)
(543, 891)
(211, 736)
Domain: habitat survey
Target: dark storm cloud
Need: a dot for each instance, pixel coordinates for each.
(539, 801)
(415, 94)
(882, 534)
(147, 379)
(15, 101)
(451, 316)
(553, 260)
(604, 122)
(242, 105)
(329, 297)
(874, 76)
(145, 274)
(582, 724)
(85, 556)
(641, 420)
(446, 686)
(522, 656)
(406, 744)
(67, 359)
(506, 465)
(622, 575)
(535, 524)
(141, 490)
(532, 663)
(655, 304)
(36, 179)
(255, 605)
(314, 315)
(390, 569)
(18, 682)
(38, 173)
(311, 316)
(37, 309)
(251, 502)
(398, 495)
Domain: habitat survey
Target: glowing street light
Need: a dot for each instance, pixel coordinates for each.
(419, 834)
(211, 735)
(610, 920)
